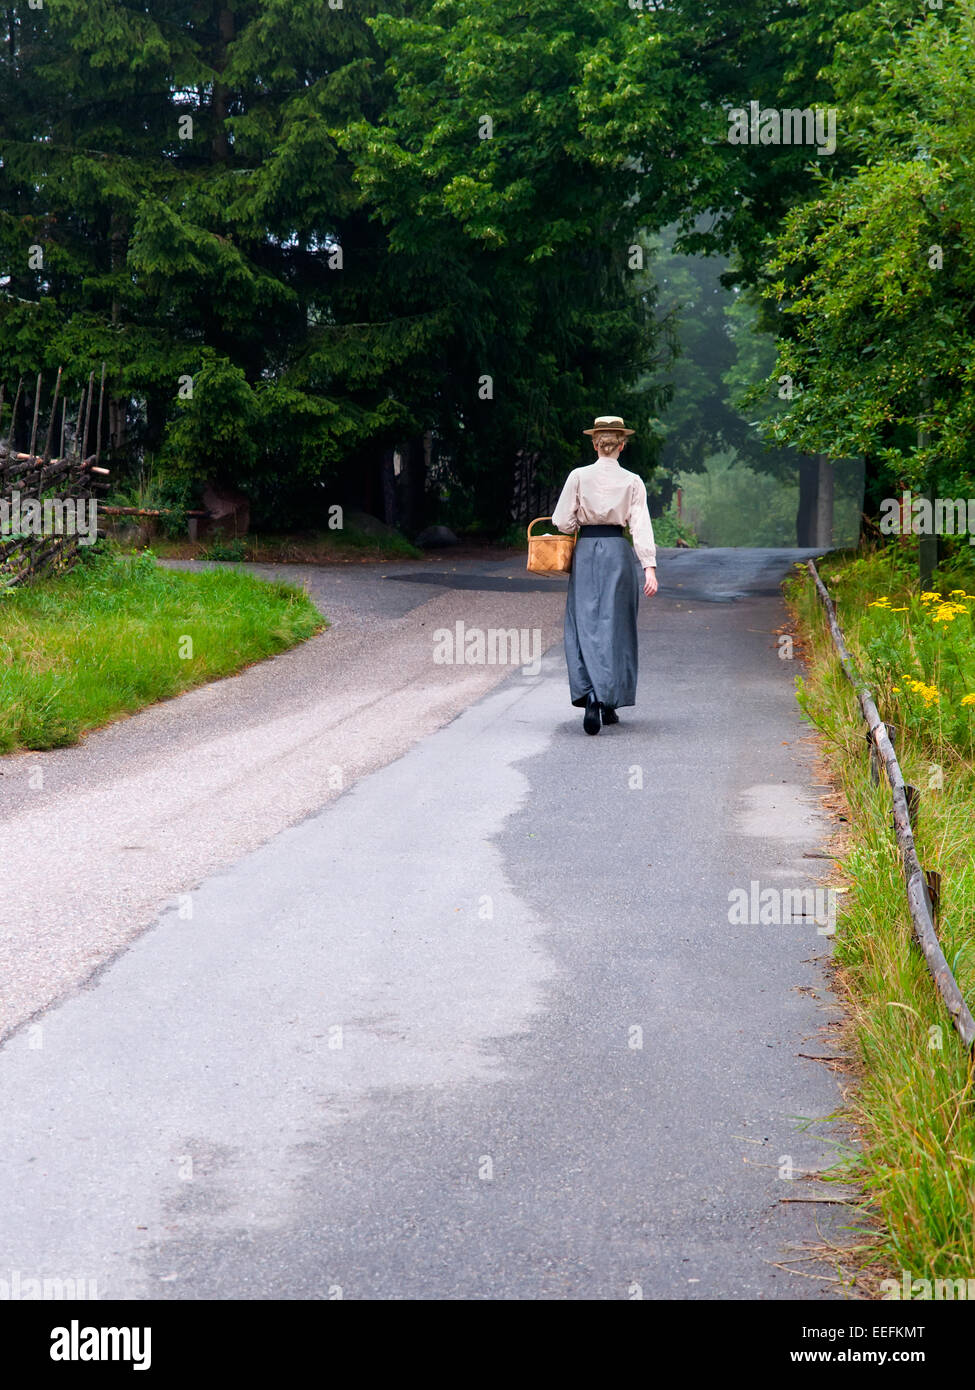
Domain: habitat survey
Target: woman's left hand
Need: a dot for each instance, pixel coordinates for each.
(650, 575)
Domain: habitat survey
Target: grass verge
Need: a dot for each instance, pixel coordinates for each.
(118, 633)
(914, 1100)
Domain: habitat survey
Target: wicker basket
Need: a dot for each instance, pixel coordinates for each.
(549, 554)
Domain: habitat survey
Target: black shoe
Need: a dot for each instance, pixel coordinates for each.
(609, 715)
(591, 721)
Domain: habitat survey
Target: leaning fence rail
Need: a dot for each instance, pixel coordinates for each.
(922, 910)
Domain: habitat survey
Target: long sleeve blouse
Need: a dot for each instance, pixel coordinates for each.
(604, 494)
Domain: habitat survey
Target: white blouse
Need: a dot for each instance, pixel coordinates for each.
(604, 494)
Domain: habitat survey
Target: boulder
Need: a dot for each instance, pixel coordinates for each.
(436, 538)
(228, 512)
(369, 525)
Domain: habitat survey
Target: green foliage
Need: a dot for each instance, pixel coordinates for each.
(721, 353)
(729, 503)
(213, 433)
(294, 207)
(330, 252)
(915, 650)
(668, 528)
(144, 489)
(655, 102)
(512, 230)
(871, 279)
(151, 489)
(200, 250)
(233, 549)
(916, 1129)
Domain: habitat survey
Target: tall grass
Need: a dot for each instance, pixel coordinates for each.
(917, 650)
(118, 633)
(914, 1103)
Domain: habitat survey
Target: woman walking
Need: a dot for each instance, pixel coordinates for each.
(598, 501)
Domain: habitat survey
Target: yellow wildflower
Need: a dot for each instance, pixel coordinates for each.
(930, 694)
(947, 612)
(968, 699)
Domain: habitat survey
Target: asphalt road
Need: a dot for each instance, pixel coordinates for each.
(475, 1025)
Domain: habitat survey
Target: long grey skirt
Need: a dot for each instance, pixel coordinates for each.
(600, 621)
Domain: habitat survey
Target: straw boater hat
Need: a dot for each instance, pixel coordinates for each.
(608, 422)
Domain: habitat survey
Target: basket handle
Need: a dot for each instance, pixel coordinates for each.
(537, 519)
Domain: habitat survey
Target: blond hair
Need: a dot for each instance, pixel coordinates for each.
(612, 437)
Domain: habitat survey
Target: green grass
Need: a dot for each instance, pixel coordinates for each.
(914, 1101)
(916, 650)
(114, 635)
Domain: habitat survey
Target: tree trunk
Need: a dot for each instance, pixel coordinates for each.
(116, 411)
(389, 488)
(927, 548)
(413, 486)
(808, 487)
(221, 93)
(664, 497)
(824, 501)
(117, 255)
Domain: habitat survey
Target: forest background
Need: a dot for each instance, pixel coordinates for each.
(396, 254)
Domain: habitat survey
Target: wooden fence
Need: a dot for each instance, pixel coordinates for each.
(923, 889)
(65, 470)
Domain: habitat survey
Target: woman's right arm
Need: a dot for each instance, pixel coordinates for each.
(564, 515)
(641, 529)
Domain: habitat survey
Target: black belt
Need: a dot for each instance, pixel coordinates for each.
(600, 531)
